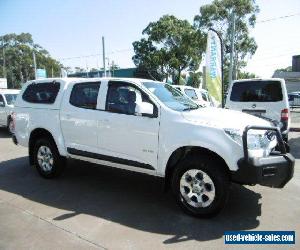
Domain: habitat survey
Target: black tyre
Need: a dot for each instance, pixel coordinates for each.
(10, 126)
(285, 138)
(47, 159)
(200, 185)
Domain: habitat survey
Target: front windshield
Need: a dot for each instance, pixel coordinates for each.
(10, 98)
(170, 96)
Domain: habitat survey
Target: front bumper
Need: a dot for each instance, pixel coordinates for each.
(272, 171)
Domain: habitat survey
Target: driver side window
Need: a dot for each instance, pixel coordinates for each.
(122, 98)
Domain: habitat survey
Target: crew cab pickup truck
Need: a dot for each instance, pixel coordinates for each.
(152, 128)
(7, 99)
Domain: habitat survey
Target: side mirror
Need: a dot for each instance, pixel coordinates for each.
(2, 104)
(144, 108)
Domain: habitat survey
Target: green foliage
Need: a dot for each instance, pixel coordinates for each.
(246, 75)
(168, 47)
(217, 15)
(142, 72)
(194, 79)
(17, 55)
(287, 69)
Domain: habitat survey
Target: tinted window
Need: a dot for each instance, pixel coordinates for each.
(123, 98)
(41, 92)
(84, 95)
(191, 94)
(10, 98)
(256, 91)
(204, 97)
(1, 100)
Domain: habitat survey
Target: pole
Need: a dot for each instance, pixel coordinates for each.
(34, 64)
(232, 27)
(222, 65)
(3, 52)
(108, 67)
(103, 52)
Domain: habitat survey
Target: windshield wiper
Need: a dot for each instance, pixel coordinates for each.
(190, 108)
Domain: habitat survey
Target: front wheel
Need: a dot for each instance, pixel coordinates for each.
(47, 159)
(200, 186)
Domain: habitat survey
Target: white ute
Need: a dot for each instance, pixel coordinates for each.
(148, 127)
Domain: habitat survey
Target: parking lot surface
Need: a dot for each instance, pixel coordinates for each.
(92, 207)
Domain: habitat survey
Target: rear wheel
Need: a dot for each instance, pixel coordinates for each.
(200, 186)
(10, 126)
(47, 159)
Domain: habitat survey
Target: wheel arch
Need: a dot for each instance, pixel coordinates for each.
(34, 135)
(186, 151)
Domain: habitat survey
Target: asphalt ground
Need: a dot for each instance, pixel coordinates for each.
(95, 207)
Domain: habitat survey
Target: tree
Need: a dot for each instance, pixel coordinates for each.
(168, 47)
(17, 57)
(287, 69)
(194, 79)
(246, 75)
(217, 15)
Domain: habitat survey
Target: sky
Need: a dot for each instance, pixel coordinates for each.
(71, 30)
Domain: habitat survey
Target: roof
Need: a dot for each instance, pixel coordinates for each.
(282, 74)
(182, 86)
(258, 79)
(9, 91)
(68, 80)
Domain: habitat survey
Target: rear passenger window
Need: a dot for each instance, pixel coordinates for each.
(45, 92)
(256, 91)
(84, 95)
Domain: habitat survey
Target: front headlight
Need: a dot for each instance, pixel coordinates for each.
(260, 143)
(235, 134)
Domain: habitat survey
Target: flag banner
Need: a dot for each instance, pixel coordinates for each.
(213, 74)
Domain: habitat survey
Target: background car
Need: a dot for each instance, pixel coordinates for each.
(7, 100)
(265, 98)
(199, 96)
(294, 99)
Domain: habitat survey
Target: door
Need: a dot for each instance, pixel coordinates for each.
(125, 136)
(3, 118)
(79, 117)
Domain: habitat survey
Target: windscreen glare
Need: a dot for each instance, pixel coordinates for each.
(170, 96)
(256, 91)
